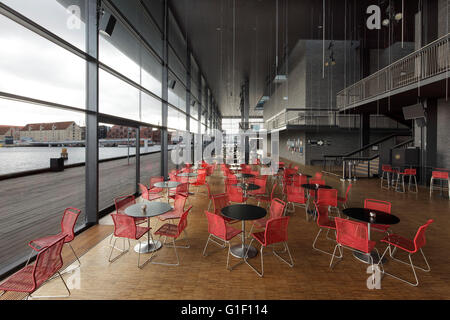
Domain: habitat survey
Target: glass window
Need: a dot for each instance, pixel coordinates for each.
(176, 39)
(176, 119)
(150, 154)
(33, 204)
(177, 95)
(117, 97)
(176, 66)
(156, 8)
(63, 18)
(193, 125)
(26, 74)
(151, 110)
(151, 73)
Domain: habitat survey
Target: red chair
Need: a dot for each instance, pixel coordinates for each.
(328, 197)
(400, 182)
(409, 246)
(387, 174)
(354, 236)
(152, 188)
(68, 222)
(379, 205)
(220, 230)
(124, 227)
(324, 223)
(147, 195)
(201, 181)
(31, 277)
(177, 211)
(173, 231)
(181, 189)
(124, 202)
(267, 199)
(220, 201)
(300, 179)
(441, 176)
(344, 200)
(261, 183)
(296, 197)
(235, 194)
(276, 210)
(210, 195)
(318, 176)
(275, 232)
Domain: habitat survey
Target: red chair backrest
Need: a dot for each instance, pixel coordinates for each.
(48, 262)
(180, 201)
(261, 182)
(300, 179)
(327, 197)
(182, 179)
(182, 188)
(124, 226)
(295, 194)
(317, 181)
(352, 234)
(386, 167)
(318, 176)
(216, 225)
(182, 224)
(144, 191)
(322, 214)
(209, 190)
(123, 202)
(347, 192)
(202, 171)
(440, 175)
(273, 191)
(201, 178)
(220, 201)
(419, 239)
(276, 230)
(235, 194)
(277, 207)
(154, 180)
(379, 205)
(68, 222)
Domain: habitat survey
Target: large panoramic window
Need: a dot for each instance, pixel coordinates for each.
(42, 151)
(22, 73)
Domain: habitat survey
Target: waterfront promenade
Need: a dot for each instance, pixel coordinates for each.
(32, 206)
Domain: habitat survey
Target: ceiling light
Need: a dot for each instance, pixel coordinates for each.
(385, 22)
(398, 16)
(285, 98)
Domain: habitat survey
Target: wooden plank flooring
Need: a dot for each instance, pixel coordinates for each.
(201, 277)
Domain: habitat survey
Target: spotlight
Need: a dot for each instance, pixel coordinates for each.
(172, 84)
(107, 28)
(398, 16)
(385, 22)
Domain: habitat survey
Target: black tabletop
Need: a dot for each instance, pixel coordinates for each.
(166, 184)
(363, 214)
(152, 209)
(244, 175)
(310, 186)
(306, 175)
(244, 212)
(247, 186)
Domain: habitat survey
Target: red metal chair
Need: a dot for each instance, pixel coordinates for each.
(210, 195)
(172, 231)
(152, 188)
(261, 183)
(68, 222)
(300, 179)
(387, 174)
(201, 180)
(177, 211)
(343, 200)
(147, 195)
(379, 205)
(124, 227)
(235, 194)
(354, 236)
(318, 176)
(220, 201)
(275, 232)
(328, 197)
(296, 196)
(31, 277)
(124, 202)
(441, 176)
(276, 210)
(220, 230)
(409, 246)
(181, 189)
(400, 182)
(324, 223)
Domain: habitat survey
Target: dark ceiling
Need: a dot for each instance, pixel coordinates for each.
(236, 39)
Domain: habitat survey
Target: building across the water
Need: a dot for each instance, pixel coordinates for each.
(52, 131)
(9, 132)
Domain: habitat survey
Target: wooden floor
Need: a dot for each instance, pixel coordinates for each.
(200, 277)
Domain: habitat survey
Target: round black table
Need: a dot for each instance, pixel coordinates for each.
(364, 215)
(315, 187)
(148, 209)
(243, 212)
(167, 185)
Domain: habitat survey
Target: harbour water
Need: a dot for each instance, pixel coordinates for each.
(19, 159)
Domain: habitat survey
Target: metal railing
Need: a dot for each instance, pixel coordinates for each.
(428, 61)
(326, 117)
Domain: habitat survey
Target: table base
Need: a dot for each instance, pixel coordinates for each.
(239, 252)
(365, 258)
(148, 247)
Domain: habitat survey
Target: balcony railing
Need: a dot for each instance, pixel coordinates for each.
(431, 60)
(326, 117)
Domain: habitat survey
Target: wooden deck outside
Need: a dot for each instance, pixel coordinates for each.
(201, 277)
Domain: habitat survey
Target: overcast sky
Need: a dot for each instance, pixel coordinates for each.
(34, 67)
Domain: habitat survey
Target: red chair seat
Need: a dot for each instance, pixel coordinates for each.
(229, 220)
(400, 242)
(21, 281)
(41, 243)
(261, 223)
(259, 236)
(124, 229)
(371, 245)
(170, 215)
(169, 230)
(153, 196)
(155, 190)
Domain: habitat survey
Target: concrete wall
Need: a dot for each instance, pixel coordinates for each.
(443, 17)
(384, 57)
(443, 134)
